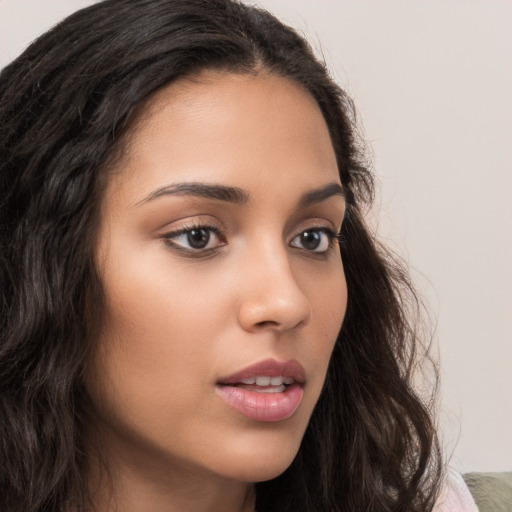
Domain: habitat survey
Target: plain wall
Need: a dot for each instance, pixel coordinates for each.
(432, 81)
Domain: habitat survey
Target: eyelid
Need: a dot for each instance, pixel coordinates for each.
(169, 236)
(314, 224)
(322, 225)
(334, 236)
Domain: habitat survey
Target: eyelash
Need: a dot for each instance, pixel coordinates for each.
(168, 238)
(332, 237)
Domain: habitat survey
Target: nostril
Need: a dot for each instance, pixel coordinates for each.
(267, 323)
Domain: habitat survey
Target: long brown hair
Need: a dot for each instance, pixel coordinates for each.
(64, 105)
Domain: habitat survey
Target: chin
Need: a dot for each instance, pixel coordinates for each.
(263, 472)
(262, 457)
(266, 474)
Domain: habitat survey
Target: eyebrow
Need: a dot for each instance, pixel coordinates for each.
(321, 194)
(237, 195)
(220, 192)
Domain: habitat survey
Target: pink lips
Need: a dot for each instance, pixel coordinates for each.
(261, 406)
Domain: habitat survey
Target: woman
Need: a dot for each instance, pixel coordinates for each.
(195, 314)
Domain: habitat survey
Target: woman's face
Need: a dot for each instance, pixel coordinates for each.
(224, 288)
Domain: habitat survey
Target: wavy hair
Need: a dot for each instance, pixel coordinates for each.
(65, 105)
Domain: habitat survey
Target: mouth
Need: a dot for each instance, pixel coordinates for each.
(265, 384)
(268, 391)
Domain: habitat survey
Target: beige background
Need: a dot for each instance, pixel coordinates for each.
(432, 81)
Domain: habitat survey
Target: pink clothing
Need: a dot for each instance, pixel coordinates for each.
(455, 496)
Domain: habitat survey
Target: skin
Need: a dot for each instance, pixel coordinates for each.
(177, 320)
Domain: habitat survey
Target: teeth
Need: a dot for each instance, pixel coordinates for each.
(277, 389)
(264, 380)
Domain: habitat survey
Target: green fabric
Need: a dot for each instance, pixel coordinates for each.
(492, 492)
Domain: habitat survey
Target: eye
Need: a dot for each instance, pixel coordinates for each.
(195, 238)
(317, 240)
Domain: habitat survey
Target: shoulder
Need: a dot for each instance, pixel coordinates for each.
(455, 495)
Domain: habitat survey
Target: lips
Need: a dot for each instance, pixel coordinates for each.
(267, 391)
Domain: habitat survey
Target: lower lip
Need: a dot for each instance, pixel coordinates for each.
(263, 406)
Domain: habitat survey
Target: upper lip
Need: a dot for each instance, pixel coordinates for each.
(270, 368)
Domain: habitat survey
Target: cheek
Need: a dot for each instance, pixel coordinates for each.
(155, 340)
(328, 298)
(148, 298)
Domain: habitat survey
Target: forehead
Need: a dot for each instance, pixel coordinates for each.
(232, 128)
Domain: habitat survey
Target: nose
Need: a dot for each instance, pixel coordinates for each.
(270, 296)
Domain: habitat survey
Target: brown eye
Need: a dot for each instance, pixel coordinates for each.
(195, 239)
(314, 240)
(198, 238)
